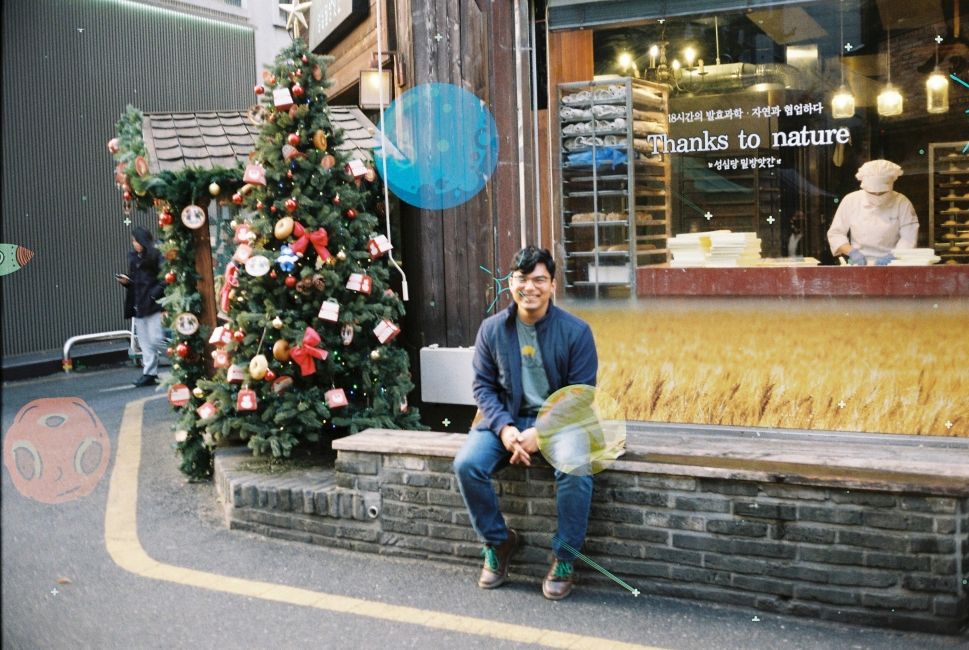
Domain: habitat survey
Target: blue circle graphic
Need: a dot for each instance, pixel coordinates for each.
(440, 146)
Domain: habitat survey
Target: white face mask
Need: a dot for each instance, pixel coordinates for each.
(879, 200)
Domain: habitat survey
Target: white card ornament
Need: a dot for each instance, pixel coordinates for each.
(404, 406)
(179, 394)
(258, 265)
(243, 234)
(255, 174)
(378, 246)
(330, 310)
(386, 331)
(335, 398)
(186, 323)
(220, 336)
(235, 374)
(282, 99)
(356, 168)
(221, 359)
(347, 334)
(206, 411)
(246, 400)
(360, 282)
(193, 216)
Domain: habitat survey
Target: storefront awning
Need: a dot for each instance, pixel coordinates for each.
(577, 14)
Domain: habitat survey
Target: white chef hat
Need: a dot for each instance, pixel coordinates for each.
(878, 175)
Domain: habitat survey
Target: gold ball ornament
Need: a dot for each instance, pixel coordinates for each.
(258, 367)
(198, 392)
(281, 350)
(319, 140)
(342, 256)
(283, 228)
(278, 323)
(375, 354)
(214, 189)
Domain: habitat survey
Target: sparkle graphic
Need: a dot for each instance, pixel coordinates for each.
(499, 281)
(707, 215)
(771, 219)
(847, 47)
(948, 424)
(842, 404)
(54, 592)
(446, 423)
(594, 565)
(438, 37)
(755, 619)
(938, 38)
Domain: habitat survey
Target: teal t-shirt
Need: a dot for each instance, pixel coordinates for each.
(534, 381)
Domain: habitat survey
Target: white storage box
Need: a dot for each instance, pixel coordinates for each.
(609, 273)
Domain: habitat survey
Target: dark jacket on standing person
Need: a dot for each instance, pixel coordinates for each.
(144, 288)
(568, 354)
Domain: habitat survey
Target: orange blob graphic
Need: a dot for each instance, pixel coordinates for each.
(57, 450)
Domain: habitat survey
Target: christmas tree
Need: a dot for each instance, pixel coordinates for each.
(305, 350)
(308, 349)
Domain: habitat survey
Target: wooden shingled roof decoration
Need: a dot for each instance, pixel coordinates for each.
(224, 138)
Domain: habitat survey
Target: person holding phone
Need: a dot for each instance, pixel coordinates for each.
(143, 288)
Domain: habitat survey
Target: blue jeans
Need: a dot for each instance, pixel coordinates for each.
(151, 340)
(477, 461)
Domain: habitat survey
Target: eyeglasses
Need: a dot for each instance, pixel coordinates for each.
(539, 282)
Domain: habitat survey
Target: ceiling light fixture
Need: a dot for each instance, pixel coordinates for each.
(889, 99)
(937, 87)
(843, 102)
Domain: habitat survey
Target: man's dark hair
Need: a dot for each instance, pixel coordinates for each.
(527, 258)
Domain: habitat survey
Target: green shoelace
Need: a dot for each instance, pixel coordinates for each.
(562, 569)
(491, 557)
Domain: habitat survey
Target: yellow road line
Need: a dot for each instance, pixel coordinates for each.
(121, 539)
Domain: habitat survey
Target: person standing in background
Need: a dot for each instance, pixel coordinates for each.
(876, 218)
(142, 291)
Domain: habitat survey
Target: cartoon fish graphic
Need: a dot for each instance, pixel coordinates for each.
(13, 257)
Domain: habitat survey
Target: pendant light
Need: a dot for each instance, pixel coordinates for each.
(843, 102)
(937, 87)
(889, 99)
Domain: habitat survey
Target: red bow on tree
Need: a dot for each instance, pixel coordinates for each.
(318, 238)
(304, 354)
(230, 280)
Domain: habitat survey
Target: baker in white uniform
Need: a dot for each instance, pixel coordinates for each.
(872, 221)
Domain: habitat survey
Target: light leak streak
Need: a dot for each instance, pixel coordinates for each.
(596, 566)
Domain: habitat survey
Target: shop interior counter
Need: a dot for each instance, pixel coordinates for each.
(800, 280)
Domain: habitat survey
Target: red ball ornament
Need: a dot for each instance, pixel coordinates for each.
(336, 200)
(181, 350)
(270, 375)
(289, 173)
(260, 205)
(305, 59)
(351, 213)
(170, 351)
(126, 195)
(273, 274)
(170, 277)
(297, 90)
(237, 198)
(293, 139)
(259, 89)
(165, 218)
(239, 336)
(290, 281)
(291, 205)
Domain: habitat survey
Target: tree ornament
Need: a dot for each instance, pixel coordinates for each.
(346, 333)
(335, 398)
(297, 89)
(328, 161)
(258, 366)
(114, 145)
(329, 310)
(305, 353)
(282, 384)
(235, 374)
(281, 350)
(246, 400)
(270, 376)
(336, 199)
(126, 195)
(170, 277)
(386, 331)
(293, 139)
(305, 59)
(319, 140)
(169, 351)
(375, 355)
(255, 174)
(355, 168)
(286, 260)
(351, 213)
(317, 73)
(257, 265)
(404, 406)
(221, 359)
(165, 219)
(198, 392)
(186, 323)
(193, 216)
(277, 323)
(181, 350)
(291, 205)
(342, 255)
(378, 246)
(283, 228)
(220, 336)
(214, 189)
(259, 89)
(289, 152)
(206, 410)
(239, 336)
(282, 99)
(370, 175)
(269, 78)
(360, 282)
(290, 281)
(237, 198)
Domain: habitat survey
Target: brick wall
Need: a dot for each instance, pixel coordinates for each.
(885, 557)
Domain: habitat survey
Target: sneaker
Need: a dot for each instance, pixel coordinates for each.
(496, 561)
(146, 380)
(558, 583)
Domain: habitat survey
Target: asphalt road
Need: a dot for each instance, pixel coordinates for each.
(62, 589)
